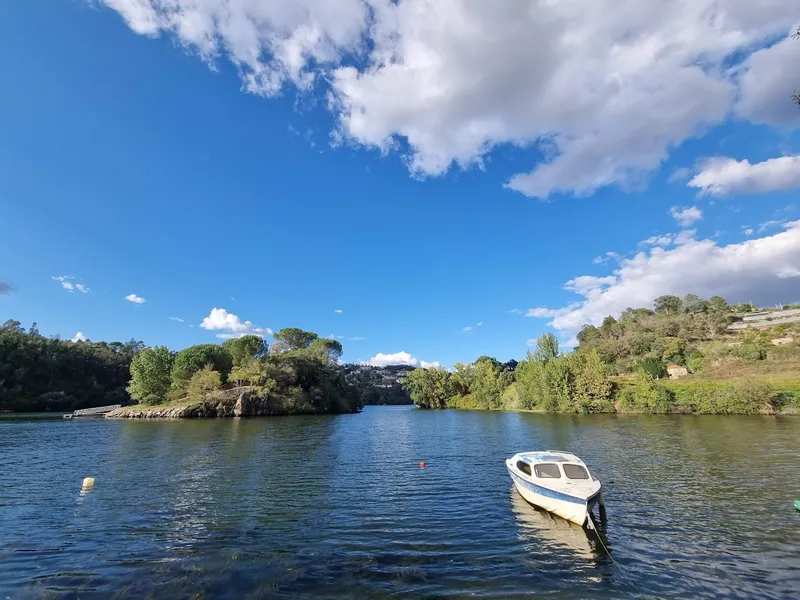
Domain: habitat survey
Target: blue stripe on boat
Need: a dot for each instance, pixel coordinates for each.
(543, 491)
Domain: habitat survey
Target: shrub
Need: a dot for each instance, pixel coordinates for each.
(696, 364)
(645, 396)
(652, 366)
(749, 350)
(750, 397)
(204, 381)
(745, 397)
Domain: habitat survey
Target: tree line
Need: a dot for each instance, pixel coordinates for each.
(619, 366)
(300, 372)
(40, 373)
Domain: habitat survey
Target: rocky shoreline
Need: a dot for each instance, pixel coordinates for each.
(237, 402)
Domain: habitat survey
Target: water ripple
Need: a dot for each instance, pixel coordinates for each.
(338, 507)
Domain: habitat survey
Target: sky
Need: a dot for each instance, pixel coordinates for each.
(426, 180)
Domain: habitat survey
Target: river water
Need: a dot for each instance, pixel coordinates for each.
(338, 507)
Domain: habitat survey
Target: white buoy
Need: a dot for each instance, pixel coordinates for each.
(88, 483)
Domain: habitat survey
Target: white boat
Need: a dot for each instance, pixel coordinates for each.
(558, 482)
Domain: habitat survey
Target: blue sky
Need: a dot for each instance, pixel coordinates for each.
(134, 160)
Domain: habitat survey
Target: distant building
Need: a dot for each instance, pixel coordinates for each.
(677, 371)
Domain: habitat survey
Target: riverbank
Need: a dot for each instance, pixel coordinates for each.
(244, 401)
(693, 396)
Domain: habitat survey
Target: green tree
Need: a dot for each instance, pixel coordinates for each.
(489, 382)
(593, 387)
(652, 366)
(12, 325)
(194, 358)
(718, 304)
(249, 372)
(462, 378)
(610, 328)
(246, 347)
(693, 303)
(668, 305)
(546, 347)
(429, 388)
(329, 351)
(151, 371)
(588, 334)
(292, 338)
(203, 382)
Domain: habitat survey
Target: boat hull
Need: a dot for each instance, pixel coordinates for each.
(567, 507)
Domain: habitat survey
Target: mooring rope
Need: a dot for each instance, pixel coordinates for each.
(608, 553)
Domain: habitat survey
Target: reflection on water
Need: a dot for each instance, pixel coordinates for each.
(337, 507)
(538, 528)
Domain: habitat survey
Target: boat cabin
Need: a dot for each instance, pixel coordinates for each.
(552, 465)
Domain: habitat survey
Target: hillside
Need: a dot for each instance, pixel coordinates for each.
(709, 338)
(685, 355)
(379, 385)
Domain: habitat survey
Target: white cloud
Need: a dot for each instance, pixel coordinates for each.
(430, 365)
(769, 77)
(398, 358)
(760, 270)
(612, 88)
(748, 231)
(177, 319)
(135, 299)
(67, 282)
(479, 324)
(722, 176)
(515, 311)
(333, 336)
(687, 216)
(468, 328)
(542, 312)
(658, 240)
(338, 311)
(608, 256)
(681, 175)
(220, 319)
(356, 338)
(766, 225)
(79, 337)
(669, 239)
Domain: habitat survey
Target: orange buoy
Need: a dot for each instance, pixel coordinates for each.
(422, 464)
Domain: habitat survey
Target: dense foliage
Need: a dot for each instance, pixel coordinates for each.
(300, 374)
(621, 366)
(43, 374)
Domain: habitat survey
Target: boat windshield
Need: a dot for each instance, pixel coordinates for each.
(547, 471)
(575, 472)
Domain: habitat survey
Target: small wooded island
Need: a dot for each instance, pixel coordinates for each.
(298, 374)
(685, 356)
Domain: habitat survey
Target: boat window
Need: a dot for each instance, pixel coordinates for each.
(524, 467)
(547, 471)
(575, 472)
